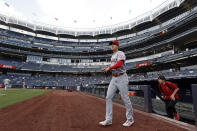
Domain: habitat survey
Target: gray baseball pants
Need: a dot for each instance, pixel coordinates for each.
(121, 83)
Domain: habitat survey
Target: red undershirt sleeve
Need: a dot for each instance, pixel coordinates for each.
(117, 65)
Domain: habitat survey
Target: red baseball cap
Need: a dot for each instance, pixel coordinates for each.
(115, 42)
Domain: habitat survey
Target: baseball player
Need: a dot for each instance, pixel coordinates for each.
(119, 81)
(6, 83)
(24, 84)
(169, 92)
(1, 86)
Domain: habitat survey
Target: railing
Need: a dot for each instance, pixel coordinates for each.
(102, 92)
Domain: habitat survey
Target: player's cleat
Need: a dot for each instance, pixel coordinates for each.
(176, 116)
(128, 123)
(105, 123)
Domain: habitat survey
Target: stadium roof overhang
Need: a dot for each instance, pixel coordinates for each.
(110, 31)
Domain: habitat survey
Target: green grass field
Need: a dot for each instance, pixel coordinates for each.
(14, 96)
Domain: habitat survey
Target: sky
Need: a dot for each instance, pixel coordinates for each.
(78, 13)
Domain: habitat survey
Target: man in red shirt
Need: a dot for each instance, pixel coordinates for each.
(169, 92)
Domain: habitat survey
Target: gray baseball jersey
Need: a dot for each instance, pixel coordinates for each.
(115, 58)
(6, 81)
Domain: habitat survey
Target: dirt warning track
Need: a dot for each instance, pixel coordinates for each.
(72, 111)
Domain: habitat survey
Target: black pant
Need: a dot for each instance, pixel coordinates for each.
(170, 107)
